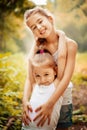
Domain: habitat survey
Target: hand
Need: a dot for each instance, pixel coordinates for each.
(25, 117)
(44, 113)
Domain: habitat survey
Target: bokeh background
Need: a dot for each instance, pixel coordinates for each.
(15, 43)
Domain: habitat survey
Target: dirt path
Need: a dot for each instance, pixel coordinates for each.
(80, 102)
(79, 126)
(80, 97)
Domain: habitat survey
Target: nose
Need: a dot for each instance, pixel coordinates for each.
(43, 80)
(38, 26)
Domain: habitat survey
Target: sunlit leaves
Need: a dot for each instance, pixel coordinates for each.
(12, 77)
(80, 73)
(11, 24)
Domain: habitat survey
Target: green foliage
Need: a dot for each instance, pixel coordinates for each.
(79, 79)
(79, 111)
(17, 7)
(79, 34)
(70, 17)
(12, 77)
(11, 24)
(80, 73)
(79, 118)
(79, 115)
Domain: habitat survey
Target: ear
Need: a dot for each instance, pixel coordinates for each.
(50, 19)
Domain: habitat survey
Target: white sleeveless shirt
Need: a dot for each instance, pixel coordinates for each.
(55, 56)
(39, 96)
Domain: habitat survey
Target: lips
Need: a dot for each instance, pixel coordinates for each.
(46, 83)
(42, 31)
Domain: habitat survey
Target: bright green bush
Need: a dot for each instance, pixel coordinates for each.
(79, 79)
(12, 78)
(80, 73)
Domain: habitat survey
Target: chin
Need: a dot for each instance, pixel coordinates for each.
(46, 35)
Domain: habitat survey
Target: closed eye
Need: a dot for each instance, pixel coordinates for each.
(40, 21)
(34, 27)
(46, 74)
(37, 75)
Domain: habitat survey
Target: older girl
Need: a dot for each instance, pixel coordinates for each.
(63, 49)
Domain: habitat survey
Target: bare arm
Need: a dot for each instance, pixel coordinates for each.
(29, 79)
(28, 88)
(70, 63)
(46, 109)
(28, 83)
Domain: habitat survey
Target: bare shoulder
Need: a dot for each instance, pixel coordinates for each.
(71, 45)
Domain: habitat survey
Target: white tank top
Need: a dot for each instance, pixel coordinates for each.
(39, 96)
(55, 56)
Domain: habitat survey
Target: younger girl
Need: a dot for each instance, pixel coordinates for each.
(63, 50)
(44, 73)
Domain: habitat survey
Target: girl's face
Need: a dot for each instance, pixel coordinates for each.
(44, 75)
(40, 25)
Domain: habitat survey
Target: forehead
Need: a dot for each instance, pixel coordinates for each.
(42, 69)
(33, 18)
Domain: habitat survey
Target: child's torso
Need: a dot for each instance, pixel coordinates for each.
(39, 96)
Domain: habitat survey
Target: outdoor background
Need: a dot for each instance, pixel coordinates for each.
(15, 43)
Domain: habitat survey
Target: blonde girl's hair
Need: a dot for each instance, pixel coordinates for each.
(43, 59)
(35, 10)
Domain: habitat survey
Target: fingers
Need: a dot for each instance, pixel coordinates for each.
(38, 116)
(49, 118)
(42, 121)
(25, 117)
(42, 116)
(29, 107)
(26, 114)
(26, 122)
(38, 109)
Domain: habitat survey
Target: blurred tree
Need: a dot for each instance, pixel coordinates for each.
(11, 16)
(66, 13)
(71, 16)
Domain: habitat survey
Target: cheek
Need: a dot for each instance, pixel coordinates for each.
(36, 34)
(51, 77)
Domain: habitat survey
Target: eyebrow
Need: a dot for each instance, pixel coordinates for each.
(36, 22)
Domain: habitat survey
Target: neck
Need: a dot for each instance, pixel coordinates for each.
(52, 38)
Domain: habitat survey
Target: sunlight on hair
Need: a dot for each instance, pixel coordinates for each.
(39, 2)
